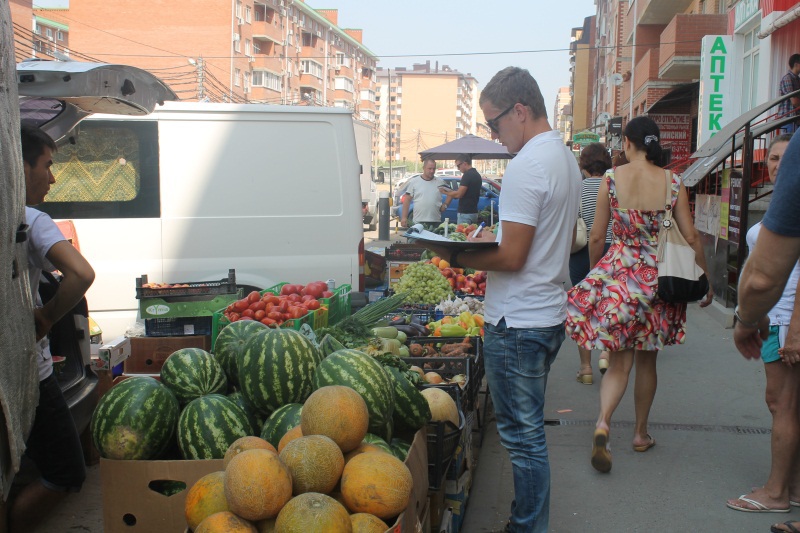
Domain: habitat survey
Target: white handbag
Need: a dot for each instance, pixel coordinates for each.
(680, 280)
(581, 236)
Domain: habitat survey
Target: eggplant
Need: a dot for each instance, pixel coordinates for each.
(409, 330)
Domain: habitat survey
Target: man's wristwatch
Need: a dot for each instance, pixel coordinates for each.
(738, 318)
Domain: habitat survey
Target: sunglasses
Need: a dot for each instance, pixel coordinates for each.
(492, 123)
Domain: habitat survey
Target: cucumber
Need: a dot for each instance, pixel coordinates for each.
(388, 332)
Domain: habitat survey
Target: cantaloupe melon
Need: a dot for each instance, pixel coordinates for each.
(376, 483)
(337, 412)
(316, 464)
(257, 484)
(443, 407)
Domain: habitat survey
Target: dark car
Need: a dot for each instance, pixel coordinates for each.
(490, 192)
(55, 96)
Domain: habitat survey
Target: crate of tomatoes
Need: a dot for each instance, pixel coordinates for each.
(286, 305)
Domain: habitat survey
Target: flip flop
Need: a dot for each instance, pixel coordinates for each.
(788, 524)
(601, 455)
(644, 447)
(755, 506)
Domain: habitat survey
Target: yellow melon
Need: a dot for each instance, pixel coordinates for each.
(442, 405)
(376, 483)
(225, 522)
(367, 523)
(337, 412)
(206, 497)
(257, 484)
(316, 464)
(294, 433)
(313, 513)
(364, 447)
(244, 444)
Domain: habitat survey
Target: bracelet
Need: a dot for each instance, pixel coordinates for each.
(738, 318)
(454, 259)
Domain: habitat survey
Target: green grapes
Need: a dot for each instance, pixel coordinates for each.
(424, 284)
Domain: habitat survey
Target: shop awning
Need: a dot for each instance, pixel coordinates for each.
(681, 94)
(790, 15)
(724, 135)
(703, 165)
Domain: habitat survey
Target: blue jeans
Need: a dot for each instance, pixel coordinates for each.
(467, 218)
(517, 363)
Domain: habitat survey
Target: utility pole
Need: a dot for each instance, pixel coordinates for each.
(201, 92)
(389, 123)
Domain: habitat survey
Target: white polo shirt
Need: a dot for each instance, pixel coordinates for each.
(541, 188)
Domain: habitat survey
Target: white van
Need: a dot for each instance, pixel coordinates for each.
(369, 191)
(195, 189)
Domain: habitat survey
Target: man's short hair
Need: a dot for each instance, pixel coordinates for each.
(793, 60)
(33, 142)
(428, 158)
(514, 85)
(464, 158)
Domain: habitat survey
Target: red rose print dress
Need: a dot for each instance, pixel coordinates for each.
(616, 306)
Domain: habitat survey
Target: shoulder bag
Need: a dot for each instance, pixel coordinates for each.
(680, 280)
(581, 236)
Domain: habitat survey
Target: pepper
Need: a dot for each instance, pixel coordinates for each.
(453, 330)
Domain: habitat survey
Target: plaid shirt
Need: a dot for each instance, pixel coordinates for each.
(789, 83)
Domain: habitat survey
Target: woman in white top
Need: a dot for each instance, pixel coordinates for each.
(782, 489)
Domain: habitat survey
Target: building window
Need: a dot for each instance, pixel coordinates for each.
(248, 14)
(247, 47)
(263, 78)
(60, 35)
(750, 70)
(367, 94)
(342, 60)
(237, 43)
(237, 77)
(247, 82)
(344, 84)
(238, 10)
(367, 114)
(49, 33)
(311, 67)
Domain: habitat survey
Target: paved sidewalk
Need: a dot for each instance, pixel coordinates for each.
(712, 431)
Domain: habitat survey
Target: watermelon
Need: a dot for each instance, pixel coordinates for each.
(277, 368)
(230, 345)
(400, 448)
(379, 442)
(281, 421)
(366, 376)
(135, 419)
(411, 409)
(329, 344)
(254, 417)
(208, 425)
(191, 372)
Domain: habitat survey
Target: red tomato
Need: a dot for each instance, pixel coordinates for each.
(283, 306)
(233, 317)
(258, 306)
(307, 297)
(275, 315)
(327, 294)
(248, 313)
(294, 297)
(240, 305)
(291, 289)
(270, 298)
(259, 315)
(268, 321)
(297, 312)
(311, 305)
(253, 297)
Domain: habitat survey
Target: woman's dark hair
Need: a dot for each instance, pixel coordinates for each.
(645, 136)
(595, 159)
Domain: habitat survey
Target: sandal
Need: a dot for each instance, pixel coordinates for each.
(602, 364)
(644, 447)
(586, 379)
(789, 524)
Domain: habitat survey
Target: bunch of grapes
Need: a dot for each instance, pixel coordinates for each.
(424, 284)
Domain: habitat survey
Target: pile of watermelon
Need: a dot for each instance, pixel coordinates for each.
(254, 384)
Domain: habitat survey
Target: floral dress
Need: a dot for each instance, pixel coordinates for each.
(616, 306)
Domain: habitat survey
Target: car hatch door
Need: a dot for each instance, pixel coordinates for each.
(56, 95)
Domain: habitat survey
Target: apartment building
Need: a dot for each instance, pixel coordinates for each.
(259, 51)
(583, 70)
(422, 107)
(37, 36)
(562, 113)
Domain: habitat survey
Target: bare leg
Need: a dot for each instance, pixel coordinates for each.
(613, 386)
(585, 372)
(643, 393)
(32, 506)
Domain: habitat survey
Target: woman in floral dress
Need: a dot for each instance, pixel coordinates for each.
(616, 306)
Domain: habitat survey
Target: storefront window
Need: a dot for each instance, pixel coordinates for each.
(750, 70)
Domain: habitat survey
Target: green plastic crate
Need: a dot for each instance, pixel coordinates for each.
(186, 306)
(219, 321)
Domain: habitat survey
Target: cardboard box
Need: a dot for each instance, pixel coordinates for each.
(457, 497)
(436, 508)
(396, 271)
(149, 353)
(462, 460)
(446, 526)
(404, 252)
(131, 505)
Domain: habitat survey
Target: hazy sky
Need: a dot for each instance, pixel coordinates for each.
(488, 36)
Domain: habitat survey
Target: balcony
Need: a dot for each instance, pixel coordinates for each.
(681, 60)
(653, 12)
(265, 30)
(646, 70)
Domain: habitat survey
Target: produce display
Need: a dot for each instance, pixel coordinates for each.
(192, 372)
(294, 301)
(209, 425)
(424, 283)
(355, 330)
(230, 345)
(455, 306)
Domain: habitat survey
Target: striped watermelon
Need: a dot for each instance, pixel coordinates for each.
(230, 345)
(400, 448)
(209, 425)
(379, 442)
(254, 417)
(366, 376)
(277, 368)
(280, 422)
(191, 372)
(411, 409)
(135, 419)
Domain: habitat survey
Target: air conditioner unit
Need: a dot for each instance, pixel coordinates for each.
(282, 11)
(299, 49)
(251, 59)
(246, 89)
(239, 21)
(319, 33)
(289, 74)
(294, 19)
(49, 37)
